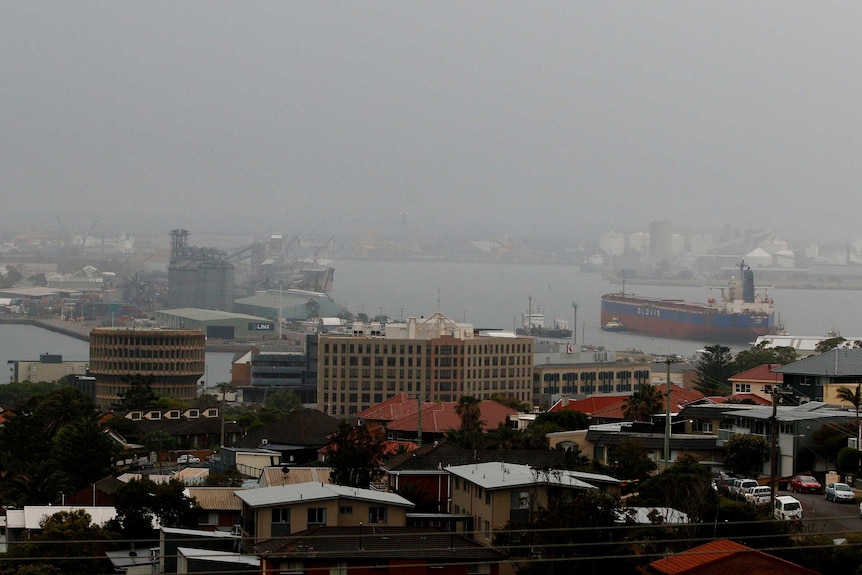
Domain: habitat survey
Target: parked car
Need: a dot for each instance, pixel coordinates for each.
(742, 486)
(760, 495)
(839, 492)
(188, 459)
(787, 508)
(805, 484)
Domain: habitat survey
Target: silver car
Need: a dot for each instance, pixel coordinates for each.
(839, 492)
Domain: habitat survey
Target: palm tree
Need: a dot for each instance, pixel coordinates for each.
(471, 419)
(854, 398)
(643, 403)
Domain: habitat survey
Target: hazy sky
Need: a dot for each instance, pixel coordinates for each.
(529, 118)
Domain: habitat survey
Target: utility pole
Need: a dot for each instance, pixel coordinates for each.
(223, 388)
(667, 362)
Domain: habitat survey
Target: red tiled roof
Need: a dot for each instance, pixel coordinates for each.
(723, 550)
(739, 397)
(441, 417)
(588, 405)
(679, 397)
(761, 373)
(396, 407)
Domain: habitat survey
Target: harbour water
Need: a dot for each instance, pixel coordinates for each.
(493, 296)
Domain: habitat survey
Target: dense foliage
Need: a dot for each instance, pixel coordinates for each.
(355, 454)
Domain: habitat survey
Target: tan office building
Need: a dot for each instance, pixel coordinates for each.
(435, 357)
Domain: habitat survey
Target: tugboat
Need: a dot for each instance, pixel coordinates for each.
(533, 323)
(613, 324)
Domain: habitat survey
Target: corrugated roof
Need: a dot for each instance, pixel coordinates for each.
(430, 458)
(219, 556)
(376, 542)
(280, 495)
(216, 498)
(198, 314)
(835, 363)
(274, 476)
(495, 475)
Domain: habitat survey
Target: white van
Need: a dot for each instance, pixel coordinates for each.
(787, 507)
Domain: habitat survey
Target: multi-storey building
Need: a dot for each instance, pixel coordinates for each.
(435, 358)
(171, 360)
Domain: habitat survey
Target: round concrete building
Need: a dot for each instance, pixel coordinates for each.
(172, 359)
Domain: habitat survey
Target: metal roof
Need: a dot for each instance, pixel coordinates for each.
(286, 494)
(806, 411)
(198, 314)
(494, 475)
(835, 363)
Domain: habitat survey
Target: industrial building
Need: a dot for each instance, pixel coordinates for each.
(289, 305)
(171, 360)
(435, 358)
(199, 277)
(49, 367)
(218, 324)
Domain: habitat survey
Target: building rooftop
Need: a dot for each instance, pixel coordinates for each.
(198, 314)
(835, 363)
(281, 495)
(495, 475)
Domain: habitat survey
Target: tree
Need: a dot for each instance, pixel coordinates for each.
(714, 368)
(630, 460)
(139, 395)
(471, 421)
(745, 453)
(63, 407)
(355, 454)
(643, 403)
(762, 354)
(829, 344)
(685, 485)
(68, 543)
(566, 419)
(35, 482)
(84, 452)
(138, 502)
(283, 400)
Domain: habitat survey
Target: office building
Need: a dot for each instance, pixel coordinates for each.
(435, 358)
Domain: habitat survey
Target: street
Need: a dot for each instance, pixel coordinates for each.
(833, 519)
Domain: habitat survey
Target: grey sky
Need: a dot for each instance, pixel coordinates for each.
(540, 118)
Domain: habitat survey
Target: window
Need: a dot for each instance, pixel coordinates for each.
(281, 515)
(376, 515)
(743, 388)
(316, 516)
(346, 510)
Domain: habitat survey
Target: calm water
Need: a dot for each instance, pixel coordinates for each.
(492, 296)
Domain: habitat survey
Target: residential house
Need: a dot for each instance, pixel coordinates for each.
(363, 550)
(191, 429)
(171, 539)
(721, 557)
(817, 378)
(796, 426)
(437, 419)
(424, 472)
(757, 382)
(494, 493)
(220, 507)
(269, 512)
(296, 437)
(290, 475)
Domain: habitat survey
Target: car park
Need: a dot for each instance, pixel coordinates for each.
(787, 508)
(805, 484)
(760, 495)
(839, 492)
(188, 459)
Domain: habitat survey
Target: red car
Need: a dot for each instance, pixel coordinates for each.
(805, 484)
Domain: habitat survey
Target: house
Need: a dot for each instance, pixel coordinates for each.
(270, 512)
(191, 429)
(220, 507)
(439, 418)
(249, 462)
(423, 472)
(598, 442)
(21, 522)
(758, 381)
(396, 407)
(171, 539)
(817, 378)
(296, 437)
(289, 475)
(379, 551)
(723, 556)
(796, 425)
(494, 493)
(196, 560)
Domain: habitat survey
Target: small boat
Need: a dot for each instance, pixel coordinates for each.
(614, 324)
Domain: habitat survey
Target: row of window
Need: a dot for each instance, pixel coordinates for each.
(316, 516)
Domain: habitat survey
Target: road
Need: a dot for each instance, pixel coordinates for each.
(827, 517)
